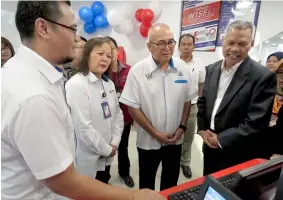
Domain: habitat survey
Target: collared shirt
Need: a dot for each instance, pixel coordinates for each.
(37, 136)
(197, 69)
(160, 96)
(224, 82)
(119, 80)
(94, 132)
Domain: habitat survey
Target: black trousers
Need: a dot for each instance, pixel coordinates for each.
(123, 158)
(104, 176)
(149, 161)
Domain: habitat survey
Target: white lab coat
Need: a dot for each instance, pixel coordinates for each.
(94, 133)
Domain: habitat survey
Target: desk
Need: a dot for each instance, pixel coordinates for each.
(221, 173)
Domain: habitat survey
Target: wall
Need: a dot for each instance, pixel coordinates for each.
(269, 24)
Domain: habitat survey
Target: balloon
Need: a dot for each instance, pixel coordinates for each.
(97, 8)
(127, 27)
(156, 8)
(85, 14)
(114, 18)
(144, 29)
(147, 15)
(138, 14)
(100, 21)
(89, 27)
(127, 10)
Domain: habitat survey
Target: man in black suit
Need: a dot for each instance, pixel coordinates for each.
(236, 103)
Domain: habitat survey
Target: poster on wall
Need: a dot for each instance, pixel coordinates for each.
(236, 10)
(200, 18)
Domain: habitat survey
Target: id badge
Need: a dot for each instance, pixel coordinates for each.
(106, 110)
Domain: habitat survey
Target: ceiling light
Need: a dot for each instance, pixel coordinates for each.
(274, 44)
(266, 41)
(281, 37)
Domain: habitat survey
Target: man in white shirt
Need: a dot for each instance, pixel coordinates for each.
(197, 69)
(158, 93)
(37, 137)
(235, 107)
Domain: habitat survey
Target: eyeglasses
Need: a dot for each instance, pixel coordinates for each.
(162, 45)
(5, 49)
(68, 27)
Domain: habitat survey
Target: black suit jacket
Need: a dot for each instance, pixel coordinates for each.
(245, 110)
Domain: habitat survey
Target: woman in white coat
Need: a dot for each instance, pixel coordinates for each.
(97, 117)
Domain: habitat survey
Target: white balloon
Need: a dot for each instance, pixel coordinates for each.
(127, 10)
(127, 27)
(114, 18)
(156, 8)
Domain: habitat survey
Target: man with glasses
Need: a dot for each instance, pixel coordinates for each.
(37, 136)
(158, 93)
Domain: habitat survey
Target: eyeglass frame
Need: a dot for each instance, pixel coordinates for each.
(165, 43)
(59, 24)
(6, 49)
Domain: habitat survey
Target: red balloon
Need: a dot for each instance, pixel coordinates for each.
(147, 15)
(138, 14)
(144, 28)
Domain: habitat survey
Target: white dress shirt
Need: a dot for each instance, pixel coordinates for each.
(160, 95)
(37, 137)
(197, 69)
(224, 82)
(94, 132)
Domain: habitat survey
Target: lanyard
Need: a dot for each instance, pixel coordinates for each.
(118, 85)
(104, 93)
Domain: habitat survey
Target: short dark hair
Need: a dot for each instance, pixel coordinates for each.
(29, 11)
(89, 46)
(82, 38)
(112, 40)
(188, 35)
(7, 43)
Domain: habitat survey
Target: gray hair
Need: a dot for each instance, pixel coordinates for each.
(242, 25)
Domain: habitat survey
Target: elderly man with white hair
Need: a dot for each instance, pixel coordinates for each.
(158, 92)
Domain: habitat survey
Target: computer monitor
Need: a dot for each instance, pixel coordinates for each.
(213, 190)
(279, 190)
(258, 182)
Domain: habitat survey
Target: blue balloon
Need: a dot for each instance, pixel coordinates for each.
(89, 27)
(101, 21)
(86, 14)
(97, 8)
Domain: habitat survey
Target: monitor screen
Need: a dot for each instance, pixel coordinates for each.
(211, 194)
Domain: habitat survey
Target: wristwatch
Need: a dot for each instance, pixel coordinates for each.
(183, 127)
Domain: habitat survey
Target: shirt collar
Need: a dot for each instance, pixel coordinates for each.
(154, 64)
(40, 64)
(191, 61)
(232, 69)
(92, 78)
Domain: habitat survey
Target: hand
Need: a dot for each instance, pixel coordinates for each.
(147, 194)
(213, 139)
(114, 150)
(177, 135)
(164, 138)
(205, 135)
(275, 156)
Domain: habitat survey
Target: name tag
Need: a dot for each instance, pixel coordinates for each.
(106, 110)
(181, 81)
